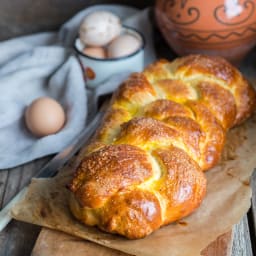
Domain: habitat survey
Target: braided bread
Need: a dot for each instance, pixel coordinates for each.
(164, 127)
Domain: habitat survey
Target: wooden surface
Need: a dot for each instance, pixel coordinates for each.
(18, 239)
(55, 243)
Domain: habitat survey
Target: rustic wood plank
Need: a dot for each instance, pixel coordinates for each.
(18, 238)
(56, 243)
(3, 184)
(253, 185)
(16, 178)
(241, 239)
(252, 213)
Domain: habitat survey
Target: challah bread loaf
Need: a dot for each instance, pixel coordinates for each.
(164, 127)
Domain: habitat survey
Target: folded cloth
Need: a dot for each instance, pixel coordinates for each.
(45, 64)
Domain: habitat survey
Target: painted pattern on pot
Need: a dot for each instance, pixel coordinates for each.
(211, 27)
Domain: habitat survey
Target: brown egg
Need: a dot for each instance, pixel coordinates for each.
(44, 116)
(96, 52)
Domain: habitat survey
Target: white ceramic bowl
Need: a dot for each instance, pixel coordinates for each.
(98, 70)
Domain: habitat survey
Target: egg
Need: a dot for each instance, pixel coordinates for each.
(44, 116)
(96, 52)
(123, 45)
(99, 28)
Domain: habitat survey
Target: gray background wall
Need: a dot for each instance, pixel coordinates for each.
(19, 17)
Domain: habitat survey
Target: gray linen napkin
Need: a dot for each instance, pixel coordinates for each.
(45, 64)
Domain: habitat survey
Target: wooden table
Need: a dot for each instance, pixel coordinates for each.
(19, 238)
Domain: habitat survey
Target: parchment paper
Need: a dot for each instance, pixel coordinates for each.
(227, 200)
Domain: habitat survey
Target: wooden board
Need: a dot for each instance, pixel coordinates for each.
(56, 243)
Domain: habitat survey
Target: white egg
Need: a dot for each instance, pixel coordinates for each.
(99, 28)
(123, 45)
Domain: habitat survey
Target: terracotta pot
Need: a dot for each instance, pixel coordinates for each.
(216, 27)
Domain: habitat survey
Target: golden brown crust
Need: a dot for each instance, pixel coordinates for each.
(133, 214)
(107, 171)
(220, 102)
(162, 109)
(213, 137)
(164, 127)
(114, 118)
(182, 184)
(219, 70)
(140, 130)
(136, 90)
(176, 90)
